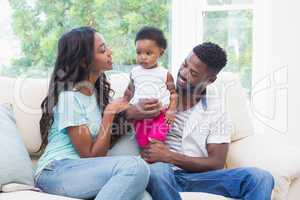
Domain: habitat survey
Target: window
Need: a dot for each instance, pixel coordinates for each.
(225, 22)
(230, 25)
(34, 27)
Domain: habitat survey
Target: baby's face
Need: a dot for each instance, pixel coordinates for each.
(147, 53)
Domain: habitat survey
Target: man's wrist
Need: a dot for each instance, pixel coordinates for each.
(171, 157)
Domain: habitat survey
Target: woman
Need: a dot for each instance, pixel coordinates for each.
(76, 126)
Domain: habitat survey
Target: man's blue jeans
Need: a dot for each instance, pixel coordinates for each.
(240, 183)
(102, 178)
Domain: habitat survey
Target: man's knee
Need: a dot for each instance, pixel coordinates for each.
(259, 176)
(159, 171)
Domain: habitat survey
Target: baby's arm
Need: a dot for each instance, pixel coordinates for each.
(170, 114)
(128, 94)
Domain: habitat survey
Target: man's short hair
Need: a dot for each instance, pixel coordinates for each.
(212, 55)
(152, 33)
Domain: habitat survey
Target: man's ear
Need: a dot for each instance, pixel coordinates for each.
(212, 78)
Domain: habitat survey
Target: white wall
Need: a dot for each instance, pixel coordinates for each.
(276, 67)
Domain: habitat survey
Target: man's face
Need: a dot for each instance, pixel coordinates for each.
(193, 76)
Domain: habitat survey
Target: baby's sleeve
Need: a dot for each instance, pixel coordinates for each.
(70, 111)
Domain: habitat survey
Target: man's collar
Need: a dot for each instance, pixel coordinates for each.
(203, 100)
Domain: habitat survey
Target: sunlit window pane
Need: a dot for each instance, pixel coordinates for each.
(233, 31)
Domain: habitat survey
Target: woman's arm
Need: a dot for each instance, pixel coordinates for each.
(82, 139)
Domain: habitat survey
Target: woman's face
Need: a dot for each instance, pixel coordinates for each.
(102, 55)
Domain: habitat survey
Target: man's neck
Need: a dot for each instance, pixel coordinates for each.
(187, 101)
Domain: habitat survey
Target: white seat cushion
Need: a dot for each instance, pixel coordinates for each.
(31, 195)
(201, 196)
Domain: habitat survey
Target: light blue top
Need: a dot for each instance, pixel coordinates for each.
(72, 109)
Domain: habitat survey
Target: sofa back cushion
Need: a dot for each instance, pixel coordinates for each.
(25, 95)
(235, 103)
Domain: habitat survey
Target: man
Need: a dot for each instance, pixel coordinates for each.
(193, 157)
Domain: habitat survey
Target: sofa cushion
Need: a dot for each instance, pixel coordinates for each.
(229, 89)
(31, 195)
(15, 165)
(200, 196)
(13, 187)
(25, 95)
(271, 152)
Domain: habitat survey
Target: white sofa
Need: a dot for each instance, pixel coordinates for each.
(248, 149)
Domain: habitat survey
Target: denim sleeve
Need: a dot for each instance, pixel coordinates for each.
(70, 111)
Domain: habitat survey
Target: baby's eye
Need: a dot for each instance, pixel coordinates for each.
(138, 52)
(149, 53)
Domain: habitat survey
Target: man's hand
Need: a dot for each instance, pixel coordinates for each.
(144, 109)
(157, 151)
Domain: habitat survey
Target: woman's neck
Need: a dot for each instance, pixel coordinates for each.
(87, 86)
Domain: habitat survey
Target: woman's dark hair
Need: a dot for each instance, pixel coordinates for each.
(74, 48)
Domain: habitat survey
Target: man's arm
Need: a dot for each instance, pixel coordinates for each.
(216, 159)
(144, 109)
(159, 152)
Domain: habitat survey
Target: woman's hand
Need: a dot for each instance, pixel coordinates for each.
(116, 106)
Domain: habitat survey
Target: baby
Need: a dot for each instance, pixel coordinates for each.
(150, 80)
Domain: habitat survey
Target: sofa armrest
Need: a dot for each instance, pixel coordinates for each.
(272, 153)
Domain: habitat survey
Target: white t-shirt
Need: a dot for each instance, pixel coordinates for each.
(150, 83)
(205, 123)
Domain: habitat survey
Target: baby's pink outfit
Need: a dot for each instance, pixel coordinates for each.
(147, 129)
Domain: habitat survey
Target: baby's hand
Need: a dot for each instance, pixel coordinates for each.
(170, 117)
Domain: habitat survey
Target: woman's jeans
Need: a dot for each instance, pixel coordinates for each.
(118, 178)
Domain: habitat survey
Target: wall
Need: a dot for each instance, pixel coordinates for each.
(276, 67)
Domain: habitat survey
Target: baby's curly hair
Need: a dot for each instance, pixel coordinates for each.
(212, 55)
(152, 33)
